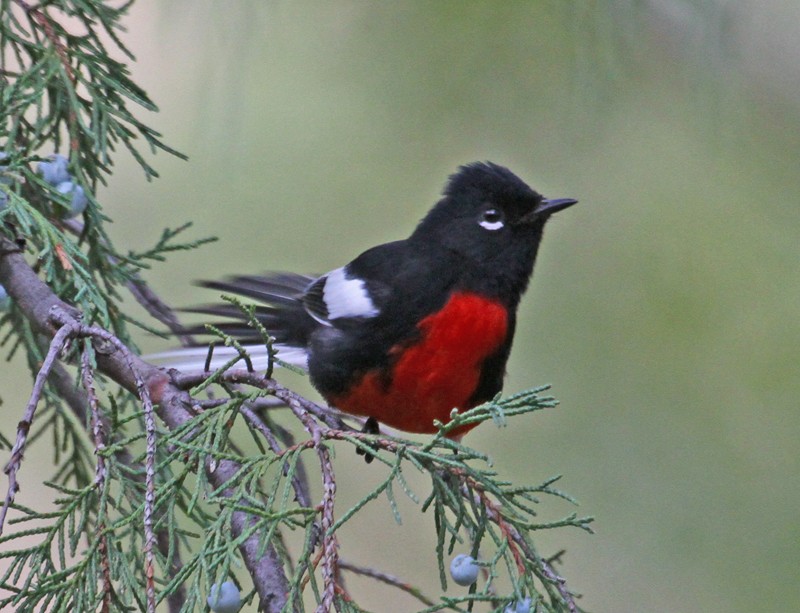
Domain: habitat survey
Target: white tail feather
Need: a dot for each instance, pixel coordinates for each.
(193, 359)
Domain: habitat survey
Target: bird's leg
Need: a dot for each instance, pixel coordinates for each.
(371, 426)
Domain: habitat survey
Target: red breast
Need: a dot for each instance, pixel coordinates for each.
(437, 373)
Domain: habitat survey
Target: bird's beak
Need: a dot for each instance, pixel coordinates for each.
(548, 207)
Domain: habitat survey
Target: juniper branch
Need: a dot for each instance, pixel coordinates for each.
(38, 303)
(77, 403)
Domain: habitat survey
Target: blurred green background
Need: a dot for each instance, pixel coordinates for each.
(664, 307)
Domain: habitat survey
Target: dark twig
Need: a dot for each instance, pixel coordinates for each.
(387, 579)
(299, 485)
(144, 294)
(559, 581)
(158, 309)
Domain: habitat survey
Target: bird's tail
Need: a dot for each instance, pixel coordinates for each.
(278, 307)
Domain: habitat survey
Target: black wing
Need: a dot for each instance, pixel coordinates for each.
(280, 311)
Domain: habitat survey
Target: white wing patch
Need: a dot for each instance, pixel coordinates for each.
(346, 297)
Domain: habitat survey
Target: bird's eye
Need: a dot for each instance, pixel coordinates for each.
(492, 219)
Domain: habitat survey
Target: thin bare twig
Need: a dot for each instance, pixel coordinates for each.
(327, 416)
(150, 493)
(300, 486)
(387, 579)
(100, 475)
(561, 585)
(330, 544)
(24, 426)
(97, 431)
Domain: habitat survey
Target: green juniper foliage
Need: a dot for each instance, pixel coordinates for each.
(141, 514)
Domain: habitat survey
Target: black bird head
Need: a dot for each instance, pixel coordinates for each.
(492, 218)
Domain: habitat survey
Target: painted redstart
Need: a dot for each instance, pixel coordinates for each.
(410, 329)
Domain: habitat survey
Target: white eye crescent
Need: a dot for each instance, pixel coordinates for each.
(492, 219)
